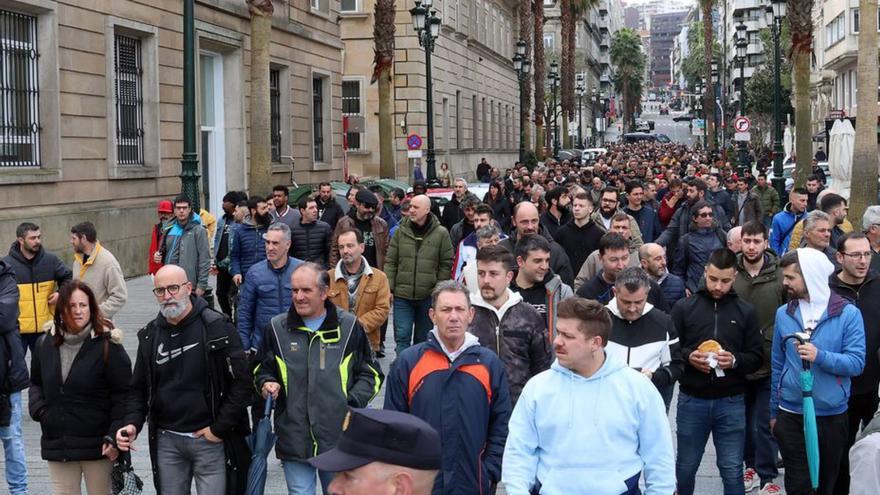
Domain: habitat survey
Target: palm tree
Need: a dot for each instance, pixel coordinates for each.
(383, 49)
(708, 41)
(525, 20)
(800, 18)
(566, 72)
(260, 170)
(864, 170)
(540, 73)
(628, 60)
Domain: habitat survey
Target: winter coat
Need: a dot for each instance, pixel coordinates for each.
(552, 224)
(769, 199)
(559, 262)
(517, 334)
(556, 291)
(695, 248)
(751, 210)
(38, 278)
(731, 322)
(265, 292)
(722, 198)
(460, 230)
(672, 287)
(782, 227)
(311, 242)
(373, 299)
(416, 263)
(75, 415)
(248, 247)
(329, 212)
(840, 338)
(13, 370)
(102, 273)
(797, 234)
(452, 212)
(187, 247)
(322, 373)
(648, 222)
(667, 210)
(579, 242)
(867, 300)
(593, 265)
(156, 241)
(380, 236)
(467, 400)
(501, 210)
(765, 293)
(600, 291)
(681, 224)
(635, 232)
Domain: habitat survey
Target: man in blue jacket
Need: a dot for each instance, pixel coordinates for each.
(247, 239)
(834, 351)
(13, 379)
(785, 220)
(266, 289)
(459, 388)
(589, 424)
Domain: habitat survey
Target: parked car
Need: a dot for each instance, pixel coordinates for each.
(634, 137)
(642, 126)
(683, 117)
(570, 155)
(591, 154)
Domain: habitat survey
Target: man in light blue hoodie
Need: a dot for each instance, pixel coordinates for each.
(589, 424)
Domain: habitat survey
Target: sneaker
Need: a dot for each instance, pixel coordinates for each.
(750, 479)
(770, 489)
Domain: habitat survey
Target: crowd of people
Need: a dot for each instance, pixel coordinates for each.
(539, 333)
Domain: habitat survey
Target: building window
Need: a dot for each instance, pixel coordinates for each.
(476, 123)
(275, 113)
(346, 5)
(549, 41)
(458, 123)
(856, 21)
(351, 105)
(835, 31)
(128, 74)
(19, 91)
(318, 118)
(316, 4)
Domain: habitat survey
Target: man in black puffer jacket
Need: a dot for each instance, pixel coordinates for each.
(310, 237)
(13, 379)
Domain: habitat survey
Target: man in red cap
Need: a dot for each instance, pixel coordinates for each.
(164, 210)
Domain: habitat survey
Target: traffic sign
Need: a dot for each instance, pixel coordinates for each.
(742, 136)
(414, 142)
(742, 124)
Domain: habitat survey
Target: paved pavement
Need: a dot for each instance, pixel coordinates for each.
(140, 309)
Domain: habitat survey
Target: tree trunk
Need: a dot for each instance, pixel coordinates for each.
(627, 112)
(801, 21)
(864, 170)
(566, 71)
(709, 97)
(260, 171)
(525, 20)
(383, 60)
(539, 70)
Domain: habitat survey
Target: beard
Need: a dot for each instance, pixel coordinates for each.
(172, 309)
(264, 219)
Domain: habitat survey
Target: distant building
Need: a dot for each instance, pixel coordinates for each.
(664, 28)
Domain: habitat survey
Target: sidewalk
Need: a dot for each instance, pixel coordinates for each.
(139, 310)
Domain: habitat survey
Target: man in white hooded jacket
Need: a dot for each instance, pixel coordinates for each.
(588, 425)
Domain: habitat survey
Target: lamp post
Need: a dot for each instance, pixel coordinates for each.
(775, 14)
(698, 106)
(580, 90)
(189, 162)
(553, 78)
(522, 65)
(427, 26)
(594, 99)
(714, 104)
(742, 44)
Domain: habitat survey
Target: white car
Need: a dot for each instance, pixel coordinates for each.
(590, 154)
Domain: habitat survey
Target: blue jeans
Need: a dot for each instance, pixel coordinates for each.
(761, 448)
(13, 447)
(725, 419)
(300, 478)
(183, 459)
(406, 314)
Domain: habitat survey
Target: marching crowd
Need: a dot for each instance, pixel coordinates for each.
(539, 334)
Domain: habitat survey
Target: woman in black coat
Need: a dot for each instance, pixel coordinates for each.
(499, 203)
(79, 381)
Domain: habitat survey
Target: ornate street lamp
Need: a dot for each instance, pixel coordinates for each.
(522, 65)
(742, 45)
(714, 104)
(775, 14)
(580, 90)
(427, 26)
(189, 163)
(553, 78)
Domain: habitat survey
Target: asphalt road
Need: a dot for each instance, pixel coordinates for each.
(679, 132)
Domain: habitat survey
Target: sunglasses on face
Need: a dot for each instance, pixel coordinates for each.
(708, 214)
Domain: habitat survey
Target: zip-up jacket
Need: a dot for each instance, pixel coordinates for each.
(188, 247)
(517, 334)
(372, 299)
(102, 273)
(13, 370)
(38, 278)
(266, 292)
(579, 242)
(681, 224)
(648, 220)
(556, 291)
(840, 338)
(552, 224)
(765, 293)
(416, 263)
(867, 299)
(769, 199)
(466, 399)
(783, 226)
(248, 247)
(649, 343)
(694, 250)
(329, 212)
(311, 242)
(598, 289)
(731, 322)
(672, 287)
(321, 373)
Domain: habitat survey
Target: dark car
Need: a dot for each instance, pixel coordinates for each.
(683, 117)
(634, 137)
(573, 156)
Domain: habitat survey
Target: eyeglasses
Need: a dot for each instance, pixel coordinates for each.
(706, 215)
(858, 256)
(172, 289)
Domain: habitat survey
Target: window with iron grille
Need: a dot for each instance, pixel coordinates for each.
(318, 118)
(19, 91)
(128, 70)
(275, 113)
(351, 105)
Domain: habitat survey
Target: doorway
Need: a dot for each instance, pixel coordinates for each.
(211, 137)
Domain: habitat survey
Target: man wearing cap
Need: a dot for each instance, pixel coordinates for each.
(382, 452)
(362, 216)
(165, 211)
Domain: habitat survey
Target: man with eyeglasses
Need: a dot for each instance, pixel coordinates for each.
(859, 284)
(871, 228)
(186, 245)
(316, 362)
(362, 216)
(191, 379)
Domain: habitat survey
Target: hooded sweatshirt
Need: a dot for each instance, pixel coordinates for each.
(574, 434)
(649, 343)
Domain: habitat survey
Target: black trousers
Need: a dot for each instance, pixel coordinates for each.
(789, 432)
(859, 413)
(224, 285)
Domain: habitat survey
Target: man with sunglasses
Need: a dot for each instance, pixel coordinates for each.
(192, 379)
(362, 216)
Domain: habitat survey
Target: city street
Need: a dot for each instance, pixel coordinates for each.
(140, 309)
(678, 132)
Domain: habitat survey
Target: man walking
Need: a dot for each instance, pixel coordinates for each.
(39, 274)
(505, 323)
(720, 340)
(248, 247)
(165, 212)
(652, 258)
(316, 363)
(817, 234)
(579, 237)
(644, 215)
(310, 237)
(769, 198)
(459, 388)
(13, 379)
(550, 449)
(784, 221)
(620, 224)
(834, 347)
(97, 267)
(279, 208)
(535, 281)
(746, 205)
(558, 210)
(329, 210)
(191, 379)
(362, 216)
(222, 246)
(420, 255)
(526, 221)
(186, 245)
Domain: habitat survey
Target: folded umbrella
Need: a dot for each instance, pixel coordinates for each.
(811, 432)
(261, 442)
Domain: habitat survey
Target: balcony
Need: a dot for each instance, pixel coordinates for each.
(603, 42)
(603, 8)
(603, 25)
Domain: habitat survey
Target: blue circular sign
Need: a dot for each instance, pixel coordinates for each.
(414, 142)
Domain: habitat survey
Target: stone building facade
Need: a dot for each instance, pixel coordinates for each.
(92, 129)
